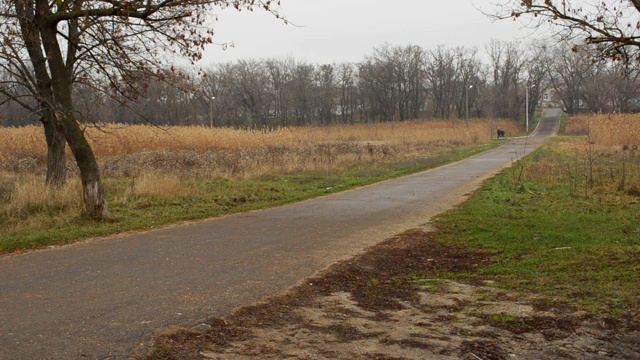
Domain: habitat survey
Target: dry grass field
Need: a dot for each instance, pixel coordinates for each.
(608, 134)
(160, 161)
(602, 157)
(223, 152)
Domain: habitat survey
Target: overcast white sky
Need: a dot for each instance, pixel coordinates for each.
(331, 31)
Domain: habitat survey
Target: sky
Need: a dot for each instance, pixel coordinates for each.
(334, 31)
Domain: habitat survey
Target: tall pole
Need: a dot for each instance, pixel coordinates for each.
(211, 111)
(466, 95)
(526, 107)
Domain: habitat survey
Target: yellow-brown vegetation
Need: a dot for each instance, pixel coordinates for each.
(608, 133)
(160, 162)
(603, 156)
(158, 184)
(30, 193)
(128, 150)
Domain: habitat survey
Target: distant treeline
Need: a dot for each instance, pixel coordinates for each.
(391, 84)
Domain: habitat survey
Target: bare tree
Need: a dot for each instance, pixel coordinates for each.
(583, 81)
(596, 89)
(325, 93)
(441, 78)
(52, 45)
(348, 92)
(625, 86)
(378, 86)
(535, 67)
(280, 74)
(302, 87)
(26, 80)
(409, 70)
(391, 82)
(468, 81)
(248, 81)
(610, 25)
(567, 71)
(506, 69)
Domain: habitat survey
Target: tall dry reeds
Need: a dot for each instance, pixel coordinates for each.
(608, 133)
(119, 140)
(31, 195)
(131, 149)
(604, 156)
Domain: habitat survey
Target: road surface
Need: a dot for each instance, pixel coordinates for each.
(104, 298)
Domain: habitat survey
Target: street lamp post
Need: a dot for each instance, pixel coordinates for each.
(526, 106)
(211, 111)
(466, 95)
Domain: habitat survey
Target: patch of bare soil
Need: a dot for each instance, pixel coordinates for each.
(389, 303)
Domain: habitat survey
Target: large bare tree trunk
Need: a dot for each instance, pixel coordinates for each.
(56, 160)
(93, 191)
(56, 146)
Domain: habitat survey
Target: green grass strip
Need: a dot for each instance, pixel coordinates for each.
(546, 241)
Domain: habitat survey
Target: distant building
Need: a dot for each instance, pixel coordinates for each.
(551, 98)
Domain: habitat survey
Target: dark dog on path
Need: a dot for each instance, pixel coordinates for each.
(500, 134)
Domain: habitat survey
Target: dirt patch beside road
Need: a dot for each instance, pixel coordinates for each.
(393, 303)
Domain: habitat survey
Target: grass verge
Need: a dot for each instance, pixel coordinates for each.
(564, 120)
(546, 239)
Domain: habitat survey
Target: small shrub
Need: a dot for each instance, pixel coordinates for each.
(634, 190)
(6, 187)
(158, 184)
(31, 195)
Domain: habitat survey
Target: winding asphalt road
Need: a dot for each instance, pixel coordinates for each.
(104, 298)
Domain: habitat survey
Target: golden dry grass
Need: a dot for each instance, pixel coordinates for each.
(158, 184)
(30, 194)
(118, 140)
(161, 160)
(223, 152)
(602, 157)
(608, 133)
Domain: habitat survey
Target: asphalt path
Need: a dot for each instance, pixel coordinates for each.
(105, 298)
